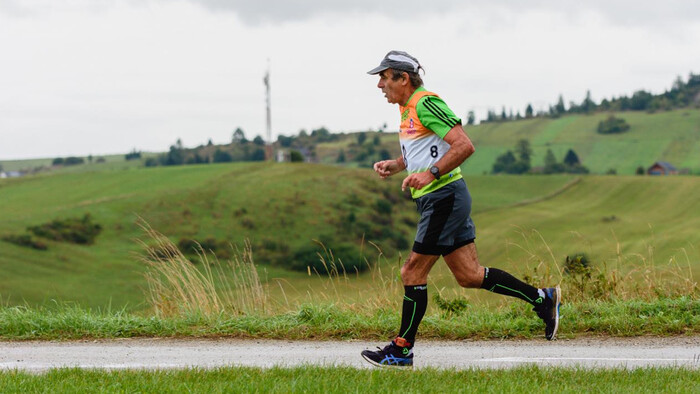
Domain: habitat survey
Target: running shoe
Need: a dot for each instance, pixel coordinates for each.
(549, 312)
(391, 356)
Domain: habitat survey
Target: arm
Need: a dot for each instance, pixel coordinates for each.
(461, 148)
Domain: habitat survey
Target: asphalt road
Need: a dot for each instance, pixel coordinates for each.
(628, 353)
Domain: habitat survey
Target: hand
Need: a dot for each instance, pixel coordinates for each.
(418, 180)
(386, 168)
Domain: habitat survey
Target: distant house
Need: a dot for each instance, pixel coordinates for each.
(282, 156)
(662, 168)
(10, 174)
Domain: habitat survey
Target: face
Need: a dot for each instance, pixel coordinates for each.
(394, 90)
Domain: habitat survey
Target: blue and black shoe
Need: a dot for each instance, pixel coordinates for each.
(549, 312)
(391, 356)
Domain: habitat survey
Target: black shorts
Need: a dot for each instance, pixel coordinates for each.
(445, 224)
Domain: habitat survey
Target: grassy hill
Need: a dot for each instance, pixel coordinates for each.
(521, 221)
(672, 136)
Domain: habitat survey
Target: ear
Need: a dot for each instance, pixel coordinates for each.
(406, 79)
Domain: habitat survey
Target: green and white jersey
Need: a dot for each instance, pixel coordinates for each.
(425, 120)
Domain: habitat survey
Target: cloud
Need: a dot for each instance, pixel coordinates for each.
(638, 13)
(623, 12)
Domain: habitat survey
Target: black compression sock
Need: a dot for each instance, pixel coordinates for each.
(415, 302)
(504, 283)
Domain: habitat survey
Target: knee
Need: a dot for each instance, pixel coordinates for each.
(471, 279)
(408, 272)
(405, 273)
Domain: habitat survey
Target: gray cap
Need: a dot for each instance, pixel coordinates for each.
(398, 60)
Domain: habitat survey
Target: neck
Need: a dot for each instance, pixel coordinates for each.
(407, 95)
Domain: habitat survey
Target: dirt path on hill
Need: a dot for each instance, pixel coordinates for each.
(38, 356)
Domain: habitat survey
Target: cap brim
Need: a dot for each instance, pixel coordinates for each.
(377, 70)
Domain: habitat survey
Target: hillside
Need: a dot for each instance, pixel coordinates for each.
(281, 208)
(672, 136)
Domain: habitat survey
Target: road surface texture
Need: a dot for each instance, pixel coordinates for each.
(38, 356)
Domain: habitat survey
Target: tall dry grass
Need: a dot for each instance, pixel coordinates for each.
(176, 286)
(617, 276)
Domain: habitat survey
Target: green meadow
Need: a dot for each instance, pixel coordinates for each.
(526, 224)
(672, 136)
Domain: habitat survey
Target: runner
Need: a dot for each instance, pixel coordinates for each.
(433, 146)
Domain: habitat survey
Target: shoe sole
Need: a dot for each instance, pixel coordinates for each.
(376, 364)
(557, 291)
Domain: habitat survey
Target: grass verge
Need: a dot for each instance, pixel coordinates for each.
(664, 316)
(342, 379)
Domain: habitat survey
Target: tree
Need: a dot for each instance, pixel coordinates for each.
(640, 100)
(559, 107)
(239, 136)
(588, 105)
(210, 142)
(384, 154)
(640, 170)
(341, 156)
(284, 141)
(361, 137)
(523, 150)
(551, 166)
(71, 161)
(571, 158)
(376, 140)
(222, 157)
(528, 111)
(510, 164)
(133, 155)
(258, 141)
(504, 116)
(491, 116)
(503, 163)
(471, 119)
(258, 155)
(549, 159)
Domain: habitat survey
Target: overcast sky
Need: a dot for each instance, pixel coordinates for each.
(97, 76)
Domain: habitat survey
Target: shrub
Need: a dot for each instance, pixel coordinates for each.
(613, 125)
(317, 257)
(151, 162)
(451, 307)
(72, 161)
(383, 207)
(193, 247)
(222, 157)
(133, 155)
(296, 157)
(25, 240)
(74, 230)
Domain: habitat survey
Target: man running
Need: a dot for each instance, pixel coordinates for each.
(433, 146)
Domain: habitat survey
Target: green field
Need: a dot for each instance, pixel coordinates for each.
(521, 222)
(672, 136)
(346, 379)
